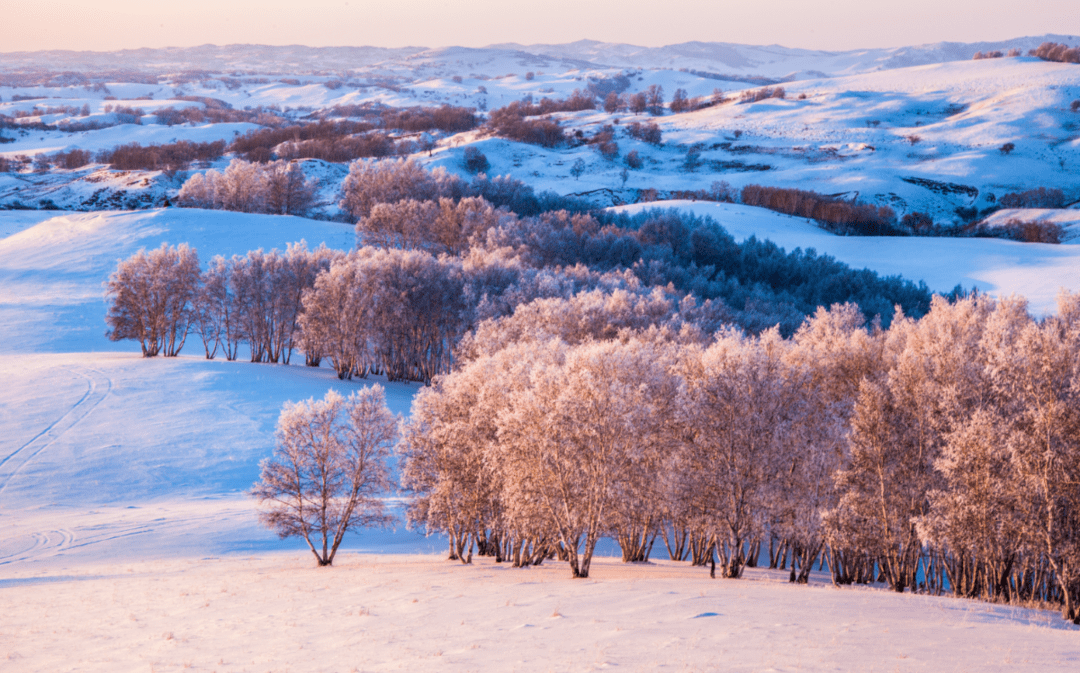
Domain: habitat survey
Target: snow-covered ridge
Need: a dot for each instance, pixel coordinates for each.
(772, 61)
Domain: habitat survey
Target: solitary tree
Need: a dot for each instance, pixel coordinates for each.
(329, 464)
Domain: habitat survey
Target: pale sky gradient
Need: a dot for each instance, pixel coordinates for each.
(105, 25)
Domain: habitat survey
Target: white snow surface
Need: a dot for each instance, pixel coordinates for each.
(369, 612)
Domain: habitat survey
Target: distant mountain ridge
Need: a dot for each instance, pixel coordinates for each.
(772, 61)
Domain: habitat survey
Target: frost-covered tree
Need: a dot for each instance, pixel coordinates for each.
(388, 181)
(739, 412)
(394, 311)
(577, 440)
(288, 192)
(442, 225)
(278, 187)
(150, 299)
(328, 469)
(898, 429)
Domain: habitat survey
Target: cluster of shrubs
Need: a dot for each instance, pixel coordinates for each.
(176, 156)
(648, 132)
(650, 100)
(278, 187)
(1061, 53)
(387, 181)
(846, 217)
(445, 118)
(979, 56)
(337, 142)
(515, 122)
(1025, 231)
(755, 95)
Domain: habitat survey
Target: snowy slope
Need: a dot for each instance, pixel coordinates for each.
(52, 273)
(103, 451)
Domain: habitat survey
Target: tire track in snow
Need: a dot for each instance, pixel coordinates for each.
(47, 543)
(99, 387)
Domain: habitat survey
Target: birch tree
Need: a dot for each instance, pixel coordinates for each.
(328, 469)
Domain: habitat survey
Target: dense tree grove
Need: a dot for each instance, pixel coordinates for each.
(483, 249)
(250, 187)
(940, 454)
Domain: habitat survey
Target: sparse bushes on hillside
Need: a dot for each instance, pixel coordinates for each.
(842, 216)
(1061, 53)
(979, 56)
(1040, 197)
(648, 132)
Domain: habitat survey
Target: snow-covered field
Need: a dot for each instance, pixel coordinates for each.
(277, 612)
(127, 540)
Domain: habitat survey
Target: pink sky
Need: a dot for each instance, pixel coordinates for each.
(103, 25)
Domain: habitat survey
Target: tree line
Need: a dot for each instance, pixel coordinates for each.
(938, 455)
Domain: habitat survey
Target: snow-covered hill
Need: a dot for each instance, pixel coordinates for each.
(947, 139)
